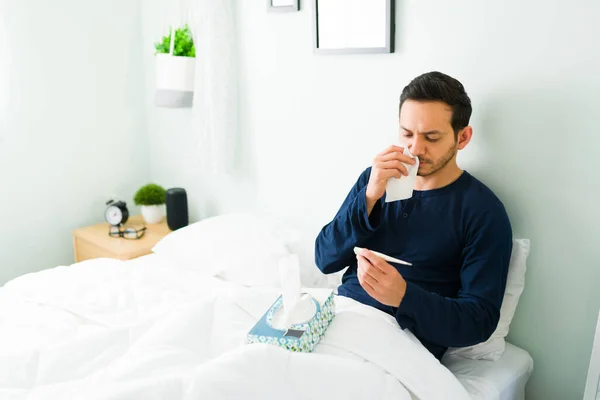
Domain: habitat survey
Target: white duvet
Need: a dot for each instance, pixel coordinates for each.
(143, 329)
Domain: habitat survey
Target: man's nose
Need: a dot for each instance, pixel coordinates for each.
(418, 146)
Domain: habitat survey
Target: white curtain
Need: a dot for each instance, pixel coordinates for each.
(215, 109)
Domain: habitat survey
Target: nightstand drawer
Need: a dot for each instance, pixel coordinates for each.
(85, 250)
(94, 241)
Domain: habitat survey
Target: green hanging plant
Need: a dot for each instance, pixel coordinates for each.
(184, 43)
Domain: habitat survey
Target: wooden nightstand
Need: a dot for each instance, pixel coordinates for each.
(94, 241)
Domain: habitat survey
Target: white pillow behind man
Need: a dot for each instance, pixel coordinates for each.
(493, 348)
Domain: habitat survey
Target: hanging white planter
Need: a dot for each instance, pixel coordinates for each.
(174, 79)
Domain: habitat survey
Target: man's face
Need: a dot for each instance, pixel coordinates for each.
(425, 128)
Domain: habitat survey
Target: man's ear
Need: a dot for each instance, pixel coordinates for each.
(464, 137)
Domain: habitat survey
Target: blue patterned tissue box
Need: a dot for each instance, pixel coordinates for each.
(299, 337)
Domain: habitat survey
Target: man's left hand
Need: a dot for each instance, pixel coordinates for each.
(380, 280)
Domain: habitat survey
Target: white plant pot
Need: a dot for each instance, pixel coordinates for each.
(175, 81)
(152, 214)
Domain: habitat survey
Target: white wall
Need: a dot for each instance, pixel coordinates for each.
(310, 124)
(74, 131)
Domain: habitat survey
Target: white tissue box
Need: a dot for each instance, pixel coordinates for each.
(299, 337)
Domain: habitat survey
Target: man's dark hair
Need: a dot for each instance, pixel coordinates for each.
(436, 86)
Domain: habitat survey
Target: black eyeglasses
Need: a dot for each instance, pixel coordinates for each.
(127, 233)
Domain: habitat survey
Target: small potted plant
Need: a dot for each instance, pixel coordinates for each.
(175, 69)
(151, 197)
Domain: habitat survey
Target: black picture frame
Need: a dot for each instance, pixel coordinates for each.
(388, 47)
(294, 6)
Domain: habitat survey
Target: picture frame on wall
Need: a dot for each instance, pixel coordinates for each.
(353, 26)
(283, 5)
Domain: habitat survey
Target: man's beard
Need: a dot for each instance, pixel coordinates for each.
(441, 163)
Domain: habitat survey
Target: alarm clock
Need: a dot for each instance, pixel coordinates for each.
(116, 213)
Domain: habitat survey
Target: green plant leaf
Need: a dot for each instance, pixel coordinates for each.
(150, 195)
(184, 43)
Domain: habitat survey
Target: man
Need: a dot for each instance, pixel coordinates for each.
(453, 229)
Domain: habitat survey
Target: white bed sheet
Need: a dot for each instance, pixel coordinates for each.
(109, 295)
(504, 379)
(107, 329)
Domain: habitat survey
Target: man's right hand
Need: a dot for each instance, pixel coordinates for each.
(386, 165)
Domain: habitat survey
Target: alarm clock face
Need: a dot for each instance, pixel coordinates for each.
(114, 216)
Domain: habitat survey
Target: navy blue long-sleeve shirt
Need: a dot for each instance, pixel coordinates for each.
(459, 240)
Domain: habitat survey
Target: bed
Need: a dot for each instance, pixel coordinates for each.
(502, 379)
(172, 325)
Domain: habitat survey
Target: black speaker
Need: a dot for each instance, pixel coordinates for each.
(177, 208)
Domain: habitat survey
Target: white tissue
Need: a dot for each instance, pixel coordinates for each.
(400, 189)
(289, 271)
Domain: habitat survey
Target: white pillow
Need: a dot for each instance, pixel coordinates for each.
(237, 247)
(493, 348)
(301, 242)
